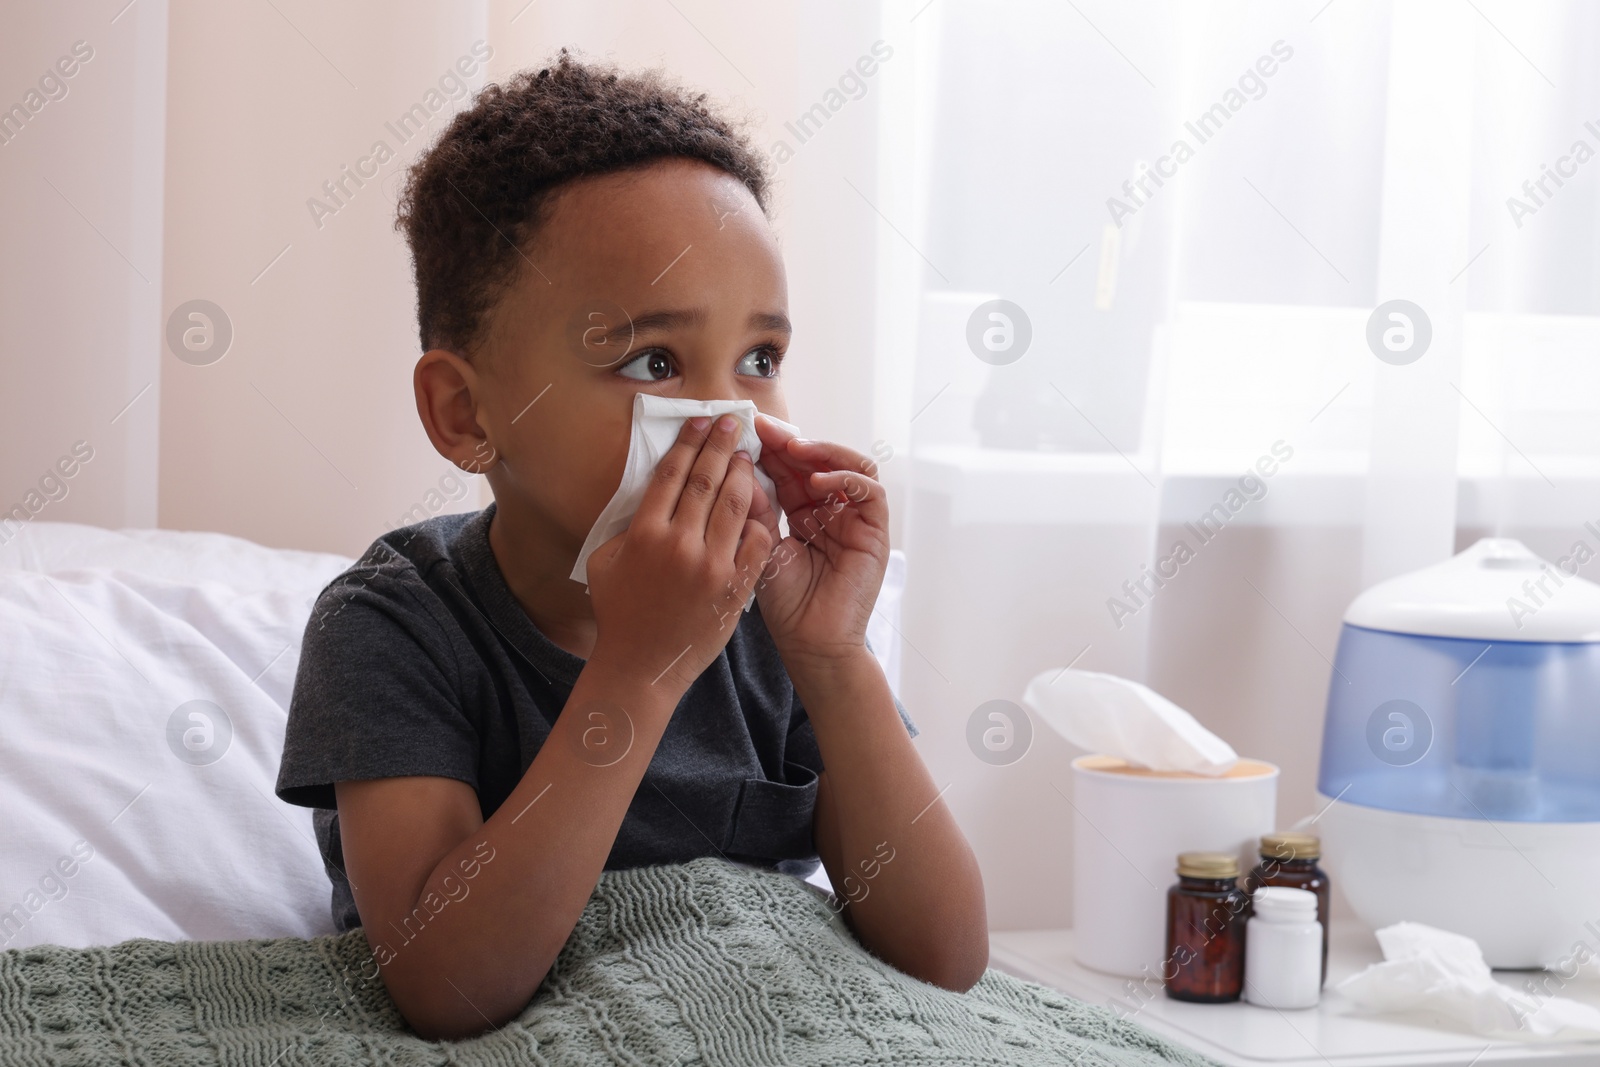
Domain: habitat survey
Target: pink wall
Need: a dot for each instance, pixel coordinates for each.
(305, 433)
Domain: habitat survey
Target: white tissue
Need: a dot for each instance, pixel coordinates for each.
(1113, 716)
(1426, 969)
(657, 420)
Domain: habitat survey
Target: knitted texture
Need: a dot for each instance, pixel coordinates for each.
(694, 965)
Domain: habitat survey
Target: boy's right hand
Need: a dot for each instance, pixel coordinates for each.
(665, 589)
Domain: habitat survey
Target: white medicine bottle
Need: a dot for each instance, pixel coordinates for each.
(1283, 949)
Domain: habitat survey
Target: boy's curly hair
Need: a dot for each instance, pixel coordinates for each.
(473, 202)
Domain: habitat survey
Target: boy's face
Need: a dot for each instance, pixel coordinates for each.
(666, 280)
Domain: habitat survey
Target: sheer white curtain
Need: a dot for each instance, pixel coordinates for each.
(1198, 458)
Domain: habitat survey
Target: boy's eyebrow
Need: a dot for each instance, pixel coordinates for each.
(770, 320)
(668, 318)
(662, 320)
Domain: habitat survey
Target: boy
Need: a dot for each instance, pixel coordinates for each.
(481, 735)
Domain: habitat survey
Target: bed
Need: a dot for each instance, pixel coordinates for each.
(158, 904)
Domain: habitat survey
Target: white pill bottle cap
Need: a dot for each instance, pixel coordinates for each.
(1280, 904)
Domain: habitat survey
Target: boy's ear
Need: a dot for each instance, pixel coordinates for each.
(447, 389)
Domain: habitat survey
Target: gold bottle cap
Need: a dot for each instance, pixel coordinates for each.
(1207, 865)
(1290, 845)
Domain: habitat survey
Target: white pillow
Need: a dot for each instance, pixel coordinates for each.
(175, 554)
(110, 834)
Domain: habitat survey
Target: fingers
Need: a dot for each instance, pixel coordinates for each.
(666, 485)
(701, 487)
(772, 435)
(754, 550)
(763, 509)
(788, 460)
(826, 455)
(787, 473)
(788, 481)
(732, 507)
(848, 489)
(806, 473)
(852, 486)
(839, 495)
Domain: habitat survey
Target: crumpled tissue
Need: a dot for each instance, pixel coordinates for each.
(657, 420)
(1427, 969)
(1114, 716)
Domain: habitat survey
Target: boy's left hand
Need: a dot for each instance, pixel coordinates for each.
(819, 587)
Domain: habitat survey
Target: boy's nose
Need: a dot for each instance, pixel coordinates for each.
(714, 387)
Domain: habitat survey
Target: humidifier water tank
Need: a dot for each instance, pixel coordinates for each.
(1461, 753)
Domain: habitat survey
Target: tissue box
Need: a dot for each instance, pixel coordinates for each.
(1129, 824)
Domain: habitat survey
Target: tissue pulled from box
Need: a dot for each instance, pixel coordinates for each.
(657, 421)
(1430, 970)
(1114, 716)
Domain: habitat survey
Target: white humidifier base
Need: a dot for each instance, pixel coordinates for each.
(1527, 893)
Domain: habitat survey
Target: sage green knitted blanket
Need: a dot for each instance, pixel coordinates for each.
(691, 965)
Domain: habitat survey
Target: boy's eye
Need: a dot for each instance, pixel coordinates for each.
(758, 362)
(652, 366)
(655, 365)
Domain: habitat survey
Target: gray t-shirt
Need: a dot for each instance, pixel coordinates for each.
(418, 660)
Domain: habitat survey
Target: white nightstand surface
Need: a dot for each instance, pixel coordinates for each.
(1334, 1033)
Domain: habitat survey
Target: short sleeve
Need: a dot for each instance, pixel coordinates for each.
(376, 694)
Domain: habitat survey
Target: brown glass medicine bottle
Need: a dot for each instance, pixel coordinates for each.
(1206, 916)
(1290, 860)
